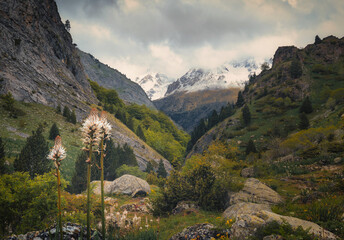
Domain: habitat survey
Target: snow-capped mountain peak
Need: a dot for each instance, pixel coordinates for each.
(154, 84)
(231, 74)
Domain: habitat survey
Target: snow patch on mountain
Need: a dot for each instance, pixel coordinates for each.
(154, 84)
(232, 74)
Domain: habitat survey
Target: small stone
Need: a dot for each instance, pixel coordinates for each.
(247, 172)
(273, 237)
(337, 160)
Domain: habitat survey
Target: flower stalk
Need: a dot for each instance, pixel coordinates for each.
(91, 136)
(57, 154)
(104, 134)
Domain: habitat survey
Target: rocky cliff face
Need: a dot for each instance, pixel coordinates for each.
(38, 62)
(187, 109)
(110, 78)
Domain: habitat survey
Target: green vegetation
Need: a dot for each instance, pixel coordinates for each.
(27, 204)
(285, 230)
(152, 126)
(33, 157)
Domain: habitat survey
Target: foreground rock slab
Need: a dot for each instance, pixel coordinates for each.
(244, 208)
(203, 231)
(256, 192)
(246, 225)
(70, 231)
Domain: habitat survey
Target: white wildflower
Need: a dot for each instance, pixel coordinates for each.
(91, 130)
(58, 152)
(105, 126)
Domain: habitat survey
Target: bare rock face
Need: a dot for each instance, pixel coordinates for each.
(128, 184)
(38, 61)
(128, 91)
(256, 192)
(247, 224)
(244, 208)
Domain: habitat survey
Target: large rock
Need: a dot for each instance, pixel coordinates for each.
(203, 231)
(246, 225)
(256, 192)
(95, 186)
(244, 208)
(128, 184)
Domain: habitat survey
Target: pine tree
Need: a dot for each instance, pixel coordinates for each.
(72, 117)
(306, 106)
(240, 102)
(304, 122)
(130, 124)
(161, 170)
(140, 134)
(295, 69)
(66, 112)
(246, 115)
(58, 109)
(32, 157)
(213, 119)
(111, 160)
(149, 168)
(54, 132)
(2, 157)
(250, 147)
(79, 179)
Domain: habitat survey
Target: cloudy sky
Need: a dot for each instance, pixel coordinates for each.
(172, 36)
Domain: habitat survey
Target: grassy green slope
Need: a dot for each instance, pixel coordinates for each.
(14, 130)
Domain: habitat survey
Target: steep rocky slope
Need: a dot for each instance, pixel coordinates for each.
(38, 61)
(110, 78)
(187, 109)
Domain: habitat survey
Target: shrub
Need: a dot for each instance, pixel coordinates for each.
(27, 204)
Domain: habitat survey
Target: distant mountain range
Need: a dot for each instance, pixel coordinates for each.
(233, 74)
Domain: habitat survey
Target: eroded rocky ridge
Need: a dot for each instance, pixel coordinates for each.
(38, 61)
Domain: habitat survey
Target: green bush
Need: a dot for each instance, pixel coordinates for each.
(27, 204)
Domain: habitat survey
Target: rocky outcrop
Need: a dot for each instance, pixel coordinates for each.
(203, 231)
(247, 224)
(256, 192)
(244, 208)
(105, 76)
(38, 61)
(70, 231)
(247, 172)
